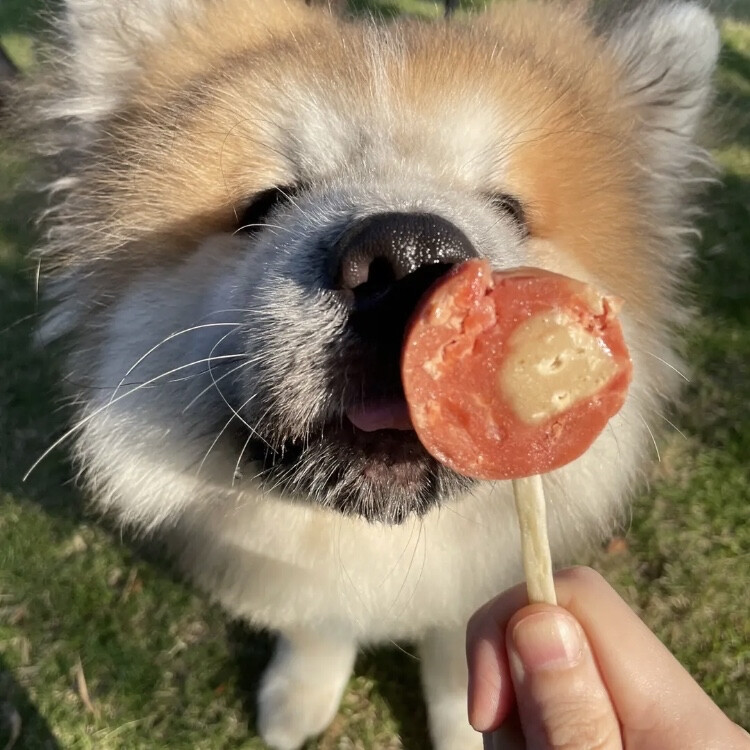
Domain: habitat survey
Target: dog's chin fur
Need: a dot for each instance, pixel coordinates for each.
(384, 476)
(215, 362)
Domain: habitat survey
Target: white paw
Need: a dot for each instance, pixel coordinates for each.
(299, 699)
(291, 709)
(450, 728)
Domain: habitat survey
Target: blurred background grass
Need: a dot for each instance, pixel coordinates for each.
(101, 648)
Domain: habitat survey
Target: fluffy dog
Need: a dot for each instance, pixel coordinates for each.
(249, 196)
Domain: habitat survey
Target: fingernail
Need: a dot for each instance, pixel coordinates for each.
(546, 641)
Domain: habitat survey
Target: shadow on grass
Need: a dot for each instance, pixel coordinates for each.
(737, 9)
(386, 9)
(32, 413)
(723, 266)
(251, 650)
(396, 674)
(716, 407)
(376, 8)
(21, 725)
(733, 96)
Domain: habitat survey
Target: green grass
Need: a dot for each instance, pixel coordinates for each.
(165, 669)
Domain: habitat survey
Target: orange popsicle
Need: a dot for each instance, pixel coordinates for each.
(510, 374)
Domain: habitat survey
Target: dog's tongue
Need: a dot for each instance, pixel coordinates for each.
(390, 415)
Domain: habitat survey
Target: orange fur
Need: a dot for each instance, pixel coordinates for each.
(186, 148)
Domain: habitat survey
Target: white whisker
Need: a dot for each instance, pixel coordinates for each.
(653, 439)
(83, 422)
(418, 522)
(223, 397)
(164, 341)
(672, 424)
(668, 364)
(400, 648)
(236, 472)
(218, 380)
(264, 225)
(658, 414)
(221, 432)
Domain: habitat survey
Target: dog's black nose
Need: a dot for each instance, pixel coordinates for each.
(378, 252)
(384, 264)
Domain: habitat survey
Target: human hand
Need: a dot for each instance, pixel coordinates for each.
(585, 674)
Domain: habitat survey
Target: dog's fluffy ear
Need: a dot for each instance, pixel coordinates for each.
(668, 53)
(106, 38)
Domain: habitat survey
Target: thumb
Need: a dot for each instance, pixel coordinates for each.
(562, 700)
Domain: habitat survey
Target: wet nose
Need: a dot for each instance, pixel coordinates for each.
(379, 252)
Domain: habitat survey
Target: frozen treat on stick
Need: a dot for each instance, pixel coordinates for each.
(511, 374)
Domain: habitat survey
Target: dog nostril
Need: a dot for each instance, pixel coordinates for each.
(384, 265)
(379, 251)
(378, 283)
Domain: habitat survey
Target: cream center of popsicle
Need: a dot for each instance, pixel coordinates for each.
(552, 363)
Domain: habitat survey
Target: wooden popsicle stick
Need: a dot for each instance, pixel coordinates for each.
(537, 566)
(532, 520)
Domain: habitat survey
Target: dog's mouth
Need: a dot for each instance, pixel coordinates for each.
(392, 414)
(369, 462)
(366, 460)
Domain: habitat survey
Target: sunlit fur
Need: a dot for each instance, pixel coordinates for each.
(189, 339)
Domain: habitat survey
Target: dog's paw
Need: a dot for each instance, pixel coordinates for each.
(301, 692)
(293, 708)
(445, 679)
(450, 728)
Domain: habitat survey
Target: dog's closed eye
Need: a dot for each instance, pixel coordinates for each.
(512, 207)
(254, 215)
